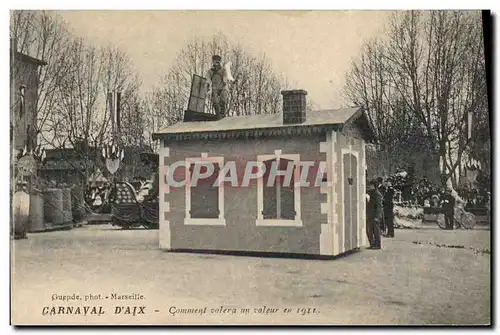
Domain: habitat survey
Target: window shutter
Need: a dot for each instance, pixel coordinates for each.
(287, 194)
(212, 194)
(196, 203)
(196, 196)
(270, 201)
(205, 197)
(270, 208)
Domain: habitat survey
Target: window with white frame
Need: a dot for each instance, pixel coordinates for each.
(279, 190)
(204, 195)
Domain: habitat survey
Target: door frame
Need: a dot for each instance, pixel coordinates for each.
(355, 153)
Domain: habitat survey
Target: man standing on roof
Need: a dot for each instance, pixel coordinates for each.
(218, 78)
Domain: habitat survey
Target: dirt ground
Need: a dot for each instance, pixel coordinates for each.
(420, 277)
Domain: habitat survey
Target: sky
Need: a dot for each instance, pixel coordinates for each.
(312, 49)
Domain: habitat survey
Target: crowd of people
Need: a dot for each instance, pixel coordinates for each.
(425, 193)
(382, 195)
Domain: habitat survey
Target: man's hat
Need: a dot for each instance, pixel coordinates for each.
(216, 57)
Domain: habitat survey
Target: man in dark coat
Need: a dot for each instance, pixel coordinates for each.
(389, 209)
(448, 203)
(374, 212)
(380, 184)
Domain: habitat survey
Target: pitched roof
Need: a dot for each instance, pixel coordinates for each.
(262, 125)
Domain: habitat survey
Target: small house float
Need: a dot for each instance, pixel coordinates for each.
(289, 183)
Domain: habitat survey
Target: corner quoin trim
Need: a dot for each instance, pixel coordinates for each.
(328, 236)
(164, 226)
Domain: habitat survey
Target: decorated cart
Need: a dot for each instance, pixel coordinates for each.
(131, 208)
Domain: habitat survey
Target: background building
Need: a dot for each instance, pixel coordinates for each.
(24, 80)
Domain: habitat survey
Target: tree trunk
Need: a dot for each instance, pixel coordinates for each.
(444, 165)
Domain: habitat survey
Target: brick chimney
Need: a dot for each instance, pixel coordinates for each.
(294, 106)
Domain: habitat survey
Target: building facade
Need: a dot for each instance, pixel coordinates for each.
(24, 81)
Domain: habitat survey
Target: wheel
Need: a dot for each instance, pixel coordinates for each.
(467, 220)
(441, 222)
(120, 223)
(150, 225)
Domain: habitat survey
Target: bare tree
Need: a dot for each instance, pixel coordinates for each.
(82, 114)
(158, 114)
(118, 76)
(72, 107)
(431, 69)
(78, 116)
(43, 35)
